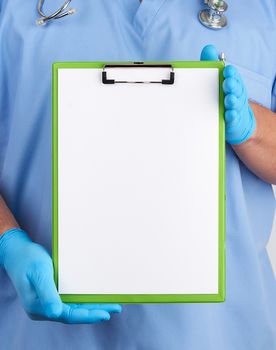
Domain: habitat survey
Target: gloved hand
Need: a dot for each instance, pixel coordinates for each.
(240, 122)
(30, 268)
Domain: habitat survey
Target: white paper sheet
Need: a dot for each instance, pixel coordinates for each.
(138, 184)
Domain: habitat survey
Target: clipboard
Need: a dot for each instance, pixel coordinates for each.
(138, 165)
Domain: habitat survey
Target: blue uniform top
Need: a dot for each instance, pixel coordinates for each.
(119, 30)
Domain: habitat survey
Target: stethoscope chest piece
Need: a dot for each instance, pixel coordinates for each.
(213, 17)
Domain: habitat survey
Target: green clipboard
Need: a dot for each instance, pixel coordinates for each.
(61, 116)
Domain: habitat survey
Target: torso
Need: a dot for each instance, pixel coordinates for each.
(105, 30)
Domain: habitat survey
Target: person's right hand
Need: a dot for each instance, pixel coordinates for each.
(240, 121)
(30, 268)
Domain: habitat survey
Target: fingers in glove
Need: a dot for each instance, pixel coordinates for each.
(112, 308)
(209, 53)
(233, 102)
(80, 314)
(233, 86)
(41, 277)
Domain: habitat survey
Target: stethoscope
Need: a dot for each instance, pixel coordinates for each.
(211, 17)
(61, 12)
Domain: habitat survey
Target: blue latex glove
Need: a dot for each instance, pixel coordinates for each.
(30, 268)
(240, 122)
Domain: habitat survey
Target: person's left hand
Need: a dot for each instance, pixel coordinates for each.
(240, 122)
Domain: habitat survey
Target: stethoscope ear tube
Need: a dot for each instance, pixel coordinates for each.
(55, 15)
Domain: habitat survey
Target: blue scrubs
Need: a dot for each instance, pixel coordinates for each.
(121, 30)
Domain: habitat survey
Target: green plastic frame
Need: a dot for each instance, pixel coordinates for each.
(142, 298)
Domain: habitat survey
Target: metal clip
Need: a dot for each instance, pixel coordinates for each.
(222, 57)
(105, 80)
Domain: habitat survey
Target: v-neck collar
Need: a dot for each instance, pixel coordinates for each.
(145, 14)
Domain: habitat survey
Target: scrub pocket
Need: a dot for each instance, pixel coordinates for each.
(259, 87)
